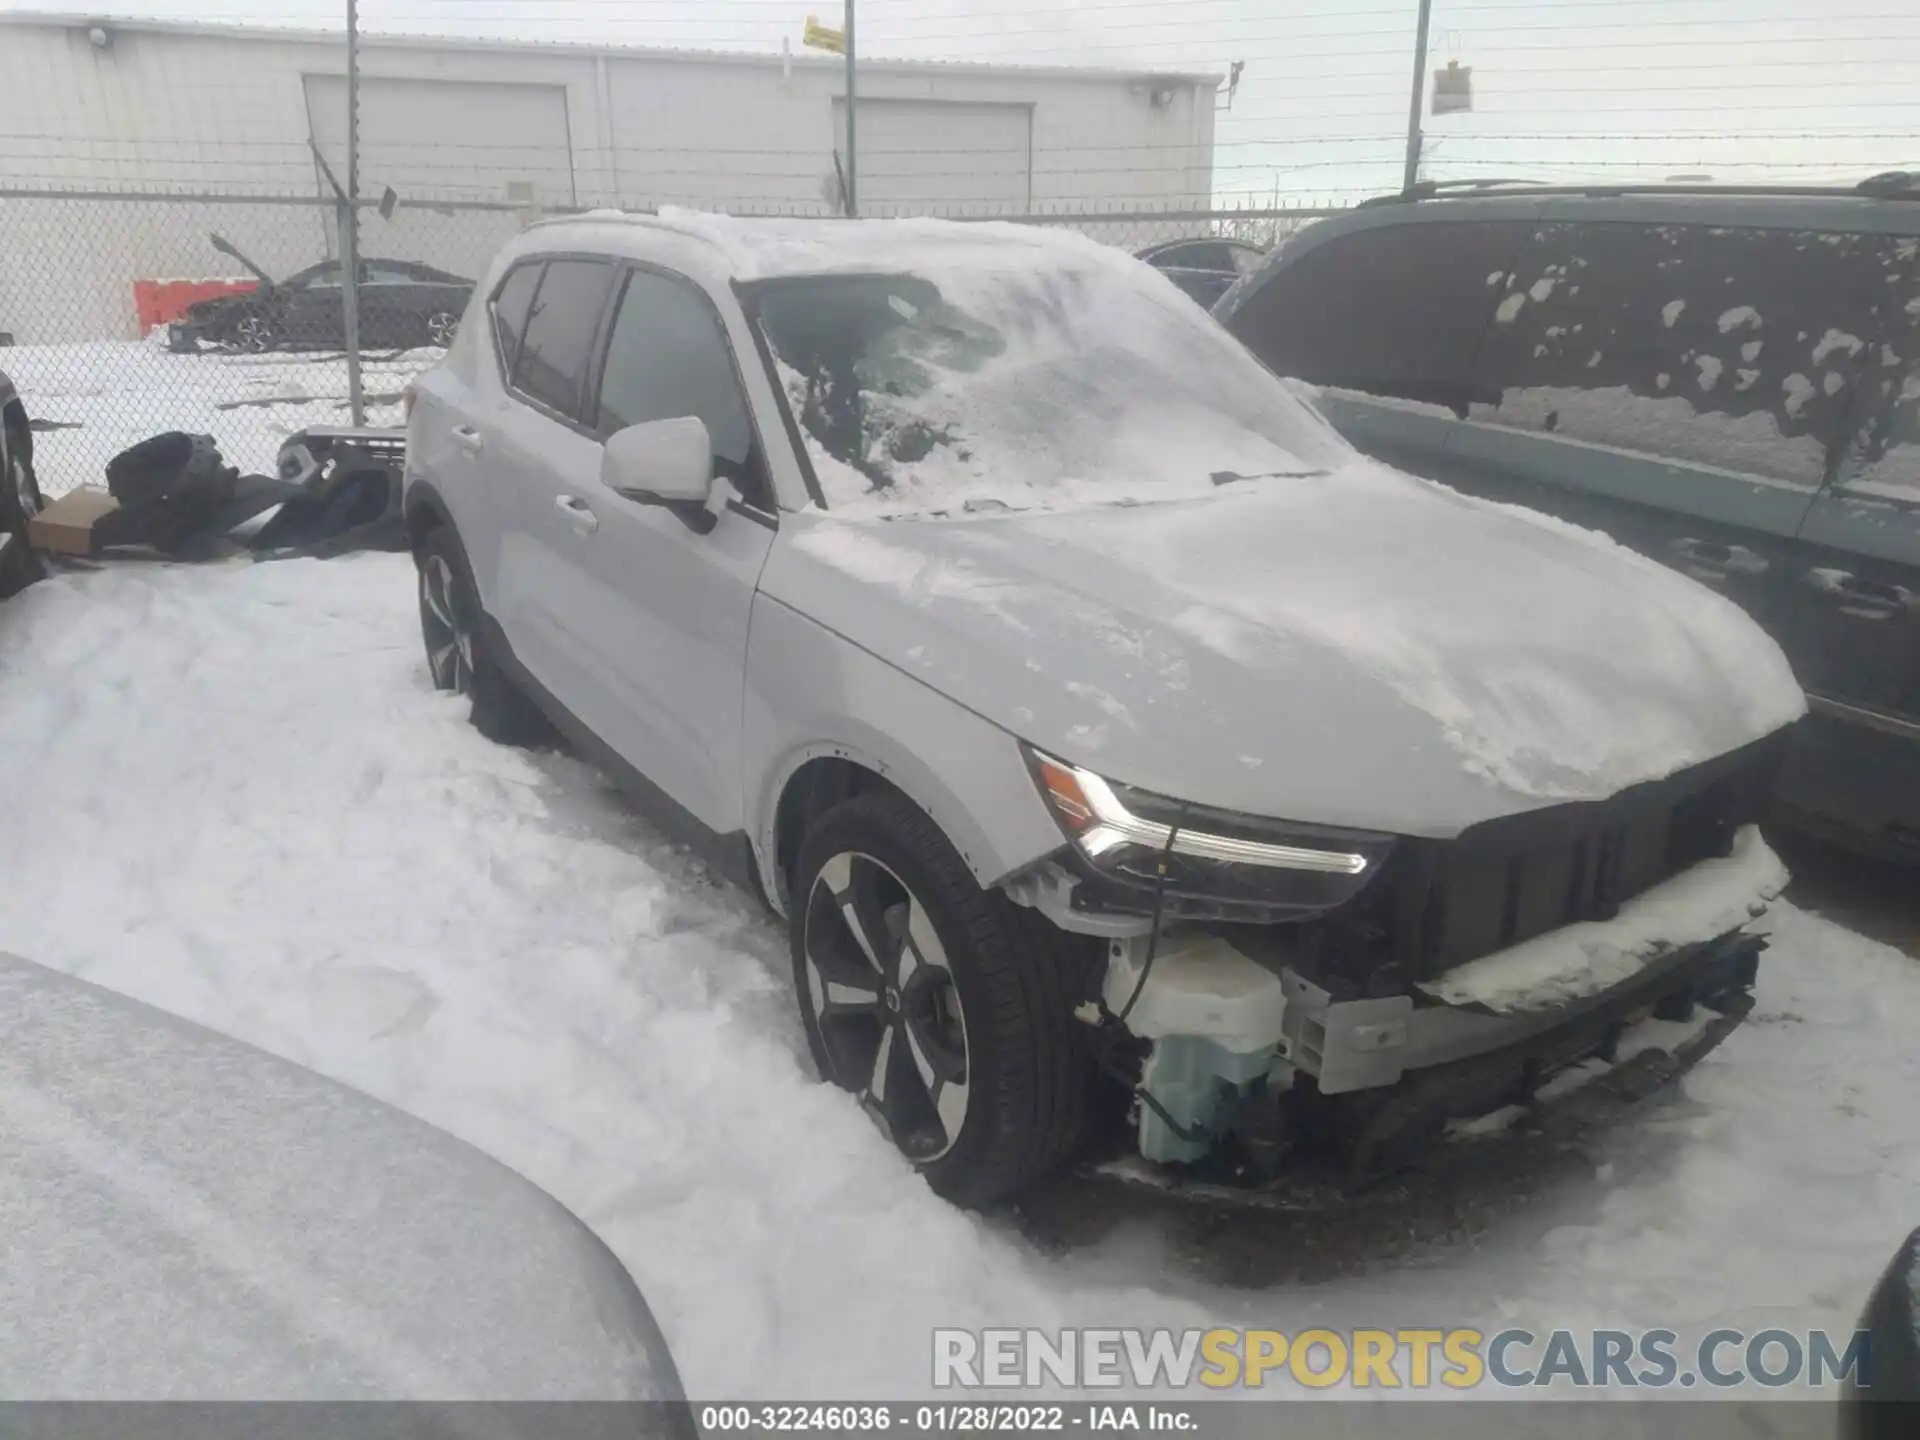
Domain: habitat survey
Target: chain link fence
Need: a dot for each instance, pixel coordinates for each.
(132, 313)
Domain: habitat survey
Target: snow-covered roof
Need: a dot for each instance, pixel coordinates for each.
(384, 40)
(763, 247)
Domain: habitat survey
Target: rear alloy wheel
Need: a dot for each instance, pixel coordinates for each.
(457, 658)
(447, 632)
(254, 333)
(442, 326)
(946, 1008)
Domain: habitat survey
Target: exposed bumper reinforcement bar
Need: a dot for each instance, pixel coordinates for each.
(1716, 978)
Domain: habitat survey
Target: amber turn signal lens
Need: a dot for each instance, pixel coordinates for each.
(1070, 802)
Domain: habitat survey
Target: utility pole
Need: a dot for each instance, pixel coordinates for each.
(1413, 108)
(853, 164)
(350, 223)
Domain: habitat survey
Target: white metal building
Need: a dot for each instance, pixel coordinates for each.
(89, 105)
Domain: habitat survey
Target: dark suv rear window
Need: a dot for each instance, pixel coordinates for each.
(558, 349)
(1397, 310)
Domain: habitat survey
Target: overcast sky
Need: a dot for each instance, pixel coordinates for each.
(1807, 90)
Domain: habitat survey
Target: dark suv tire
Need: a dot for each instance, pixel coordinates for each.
(946, 1008)
(20, 501)
(457, 655)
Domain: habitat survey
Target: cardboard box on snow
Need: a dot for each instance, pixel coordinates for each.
(65, 527)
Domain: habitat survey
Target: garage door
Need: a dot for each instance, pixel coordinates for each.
(955, 158)
(448, 138)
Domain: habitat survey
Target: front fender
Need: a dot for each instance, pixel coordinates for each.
(810, 693)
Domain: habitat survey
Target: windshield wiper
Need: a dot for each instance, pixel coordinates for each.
(1228, 477)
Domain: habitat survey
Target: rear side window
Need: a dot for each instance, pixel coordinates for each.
(558, 346)
(1394, 311)
(668, 357)
(1731, 347)
(511, 303)
(1886, 446)
(1201, 255)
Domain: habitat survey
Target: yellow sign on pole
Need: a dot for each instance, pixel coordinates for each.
(820, 37)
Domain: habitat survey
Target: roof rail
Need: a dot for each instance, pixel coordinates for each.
(1889, 185)
(1434, 189)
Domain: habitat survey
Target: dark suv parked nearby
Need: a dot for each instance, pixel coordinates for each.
(1727, 381)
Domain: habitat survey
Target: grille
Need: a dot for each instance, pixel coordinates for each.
(1508, 880)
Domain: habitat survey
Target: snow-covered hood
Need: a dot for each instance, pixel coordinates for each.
(1360, 648)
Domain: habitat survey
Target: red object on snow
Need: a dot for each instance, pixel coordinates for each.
(160, 302)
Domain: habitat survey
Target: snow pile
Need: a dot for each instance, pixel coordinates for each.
(231, 792)
(234, 794)
(1583, 959)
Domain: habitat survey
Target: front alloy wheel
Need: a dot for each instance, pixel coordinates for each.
(442, 326)
(885, 1004)
(947, 1008)
(445, 628)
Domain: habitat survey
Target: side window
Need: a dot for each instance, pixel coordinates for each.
(558, 346)
(1397, 310)
(379, 273)
(668, 357)
(511, 304)
(1713, 345)
(1201, 255)
(325, 277)
(1888, 462)
(1885, 450)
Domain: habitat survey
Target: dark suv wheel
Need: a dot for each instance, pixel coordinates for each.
(946, 1008)
(20, 501)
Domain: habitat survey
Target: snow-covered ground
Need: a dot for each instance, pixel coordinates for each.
(230, 791)
(106, 395)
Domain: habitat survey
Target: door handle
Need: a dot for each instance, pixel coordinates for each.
(1717, 559)
(469, 439)
(1860, 596)
(579, 514)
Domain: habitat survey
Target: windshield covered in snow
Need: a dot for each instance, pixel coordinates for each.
(980, 387)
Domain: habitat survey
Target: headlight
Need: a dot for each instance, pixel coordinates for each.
(1238, 861)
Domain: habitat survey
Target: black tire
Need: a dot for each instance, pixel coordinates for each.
(456, 642)
(20, 501)
(1026, 1073)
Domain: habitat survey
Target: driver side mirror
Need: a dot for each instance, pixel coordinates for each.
(663, 462)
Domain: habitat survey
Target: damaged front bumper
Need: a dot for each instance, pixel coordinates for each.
(1240, 1065)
